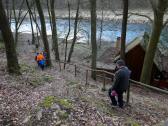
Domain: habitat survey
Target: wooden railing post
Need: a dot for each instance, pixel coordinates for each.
(86, 77)
(64, 65)
(75, 70)
(128, 93)
(104, 82)
(59, 65)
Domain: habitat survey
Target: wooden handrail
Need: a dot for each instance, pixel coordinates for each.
(103, 77)
(112, 74)
(148, 86)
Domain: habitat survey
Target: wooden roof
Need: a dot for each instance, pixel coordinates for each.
(137, 41)
(161, 56)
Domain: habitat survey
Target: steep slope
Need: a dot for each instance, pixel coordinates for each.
(52, 97)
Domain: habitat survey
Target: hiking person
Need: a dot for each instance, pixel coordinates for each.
(45, 55)
(36, 56)
(120, 84)
(40, 60)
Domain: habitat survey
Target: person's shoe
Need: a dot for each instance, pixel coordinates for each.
(114, 105)
(121, 107)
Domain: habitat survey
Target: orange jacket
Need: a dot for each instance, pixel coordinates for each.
(40, 57)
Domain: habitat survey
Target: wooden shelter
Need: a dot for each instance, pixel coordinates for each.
(135, 53)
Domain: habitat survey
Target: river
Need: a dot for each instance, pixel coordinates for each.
(111, 29)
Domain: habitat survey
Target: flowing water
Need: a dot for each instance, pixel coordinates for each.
(111, 29)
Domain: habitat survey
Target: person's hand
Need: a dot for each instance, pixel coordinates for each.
(114, 93)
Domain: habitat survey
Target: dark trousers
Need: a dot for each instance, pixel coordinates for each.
(120, 98)
(41, 66)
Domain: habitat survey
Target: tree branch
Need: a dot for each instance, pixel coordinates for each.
(141, 15)
(132, 14)
(23, 19)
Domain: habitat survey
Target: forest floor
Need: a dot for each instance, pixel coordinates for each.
(58, 98)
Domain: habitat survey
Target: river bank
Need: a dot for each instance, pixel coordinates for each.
(135, 16)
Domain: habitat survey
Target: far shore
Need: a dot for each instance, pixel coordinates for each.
(134, 15)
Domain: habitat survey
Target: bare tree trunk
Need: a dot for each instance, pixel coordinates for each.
(37, 41)
(1, 39)
(12, 61)
(16, 35)
(16, 22)
(124, 29)
(7, 9)
(44, 33)
(93, 37)
(49, 12)
(75, 32)
(159, 12)
(66, 40)
(37, 29)
(10, 17)
(18, 18)
(34, 18)
(32, 28)
(31, 22)
(101, 23)
(54, 30)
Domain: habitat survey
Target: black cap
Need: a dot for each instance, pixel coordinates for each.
(121, 62)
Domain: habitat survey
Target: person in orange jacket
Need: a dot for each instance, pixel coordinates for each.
(40, 60)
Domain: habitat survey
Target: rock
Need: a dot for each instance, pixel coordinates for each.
(166, 123)
(27, 119)
(39, 114)
(58, 123)
(55, 106)
(84, 119)
(64, 125)
(55, 115)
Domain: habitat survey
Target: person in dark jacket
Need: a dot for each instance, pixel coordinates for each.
(120, 83)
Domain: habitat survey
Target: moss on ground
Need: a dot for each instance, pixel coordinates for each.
(104, 107)
(39, 80)
(36, 81)
(47, 78)
(48, 101)
(130, 122)
(65, 103)
(34, 78)
(26, 68)
(100, 105)
(63, 115)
